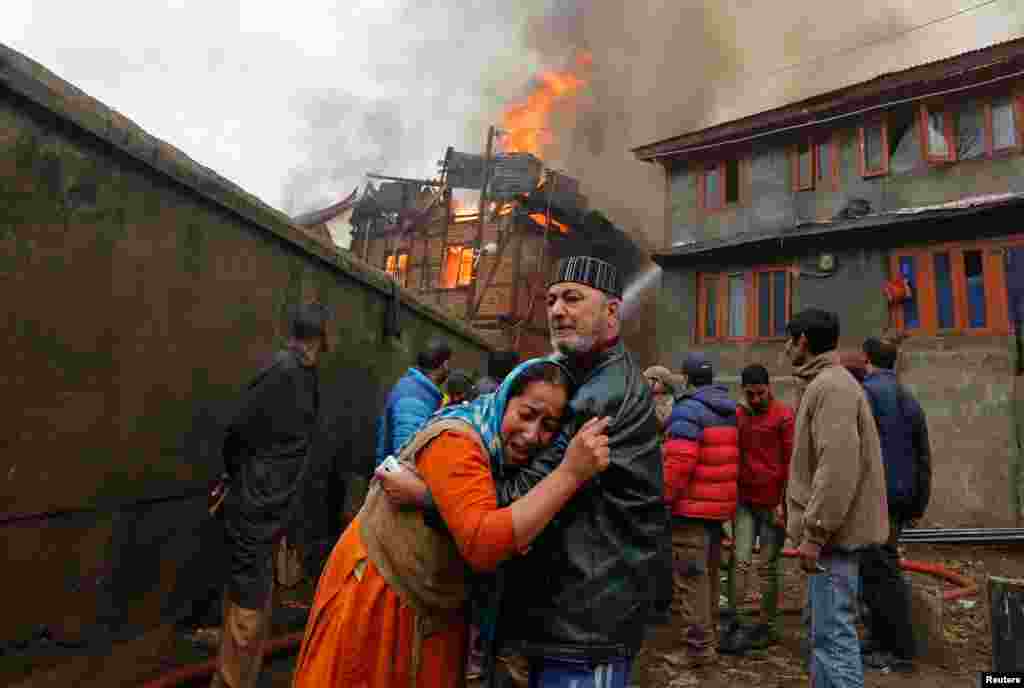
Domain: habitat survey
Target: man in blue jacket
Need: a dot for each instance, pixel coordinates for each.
(413, 399)
(906, 454)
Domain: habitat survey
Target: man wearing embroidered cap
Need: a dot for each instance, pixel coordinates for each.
(577, 604)
(612, 543)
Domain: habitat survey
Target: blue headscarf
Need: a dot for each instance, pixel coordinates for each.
(486, 412)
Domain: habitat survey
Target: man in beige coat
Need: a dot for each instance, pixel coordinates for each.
(835, 498)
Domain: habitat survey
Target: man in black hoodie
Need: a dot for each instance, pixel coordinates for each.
(906, 454)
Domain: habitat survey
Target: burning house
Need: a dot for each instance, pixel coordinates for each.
(489, 270)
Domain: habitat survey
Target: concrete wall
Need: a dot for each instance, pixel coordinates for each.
(768, 203)
(964, 383)
(142, 292)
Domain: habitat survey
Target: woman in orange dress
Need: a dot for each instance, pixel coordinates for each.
(390, 606)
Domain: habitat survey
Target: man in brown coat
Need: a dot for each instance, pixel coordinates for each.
(836, 497)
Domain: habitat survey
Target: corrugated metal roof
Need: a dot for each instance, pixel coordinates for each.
(965, 206)
(316, 217)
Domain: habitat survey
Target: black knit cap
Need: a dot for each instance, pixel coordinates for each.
(590, 271)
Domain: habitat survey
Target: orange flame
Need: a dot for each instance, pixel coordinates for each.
(541, 219)
(527, 123)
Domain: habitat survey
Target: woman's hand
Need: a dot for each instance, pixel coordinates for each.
(403, 487)
(588, 453)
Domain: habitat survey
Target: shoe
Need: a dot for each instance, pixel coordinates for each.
(867, 646)
(208, 638)
(756, 637)
(887, 663)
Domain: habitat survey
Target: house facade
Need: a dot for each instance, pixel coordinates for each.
(897, 203)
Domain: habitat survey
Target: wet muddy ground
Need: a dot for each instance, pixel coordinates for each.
(965, 630)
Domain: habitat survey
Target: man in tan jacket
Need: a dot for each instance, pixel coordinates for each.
(835, 499)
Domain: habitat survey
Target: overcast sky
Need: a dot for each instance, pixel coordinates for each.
(296, 101)
(292, 101)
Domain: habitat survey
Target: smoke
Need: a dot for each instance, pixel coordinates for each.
(444, 71)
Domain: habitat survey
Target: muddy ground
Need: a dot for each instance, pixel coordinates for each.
(965, 626)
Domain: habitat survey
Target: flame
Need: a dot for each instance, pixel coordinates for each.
(527, 122)
(541, 219)
(471, 215)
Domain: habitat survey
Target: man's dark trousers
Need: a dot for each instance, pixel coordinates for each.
(886, 594)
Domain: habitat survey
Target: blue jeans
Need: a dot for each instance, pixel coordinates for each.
(834, 659)
(569, 673)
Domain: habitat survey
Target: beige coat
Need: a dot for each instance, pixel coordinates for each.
(836, 491)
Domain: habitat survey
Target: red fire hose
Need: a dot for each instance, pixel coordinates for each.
(966, 588)
(192, 672)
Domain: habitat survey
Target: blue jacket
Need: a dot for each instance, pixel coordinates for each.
(708, 406)
(905, 448)
(412, 400)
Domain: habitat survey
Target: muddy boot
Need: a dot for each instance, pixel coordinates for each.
(727, 631)
(756, 637)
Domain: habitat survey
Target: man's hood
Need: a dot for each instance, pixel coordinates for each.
(808, 371)
(717, 398)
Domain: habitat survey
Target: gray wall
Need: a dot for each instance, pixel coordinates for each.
(143, 291)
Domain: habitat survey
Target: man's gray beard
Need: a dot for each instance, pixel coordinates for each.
(578, 345)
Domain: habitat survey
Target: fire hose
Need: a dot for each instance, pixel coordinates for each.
(965, 588)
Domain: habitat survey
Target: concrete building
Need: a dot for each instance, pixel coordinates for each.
(895, 202)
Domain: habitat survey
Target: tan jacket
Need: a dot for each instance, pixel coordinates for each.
(836, 492)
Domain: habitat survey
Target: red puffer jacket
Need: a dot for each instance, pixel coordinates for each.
(702, 456)
(766, 444)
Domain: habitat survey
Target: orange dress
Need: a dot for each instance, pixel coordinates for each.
(359, 634)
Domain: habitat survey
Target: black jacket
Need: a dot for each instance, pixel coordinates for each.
(601, 570)
(265, 451)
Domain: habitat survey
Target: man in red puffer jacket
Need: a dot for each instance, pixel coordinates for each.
(701, 469)
(766, 443)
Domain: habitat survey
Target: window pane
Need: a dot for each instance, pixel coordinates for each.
(970, 131)
(732, 181)
(712, 189)
(451, 267)
(911, 320)
(937, 144)
(1004, 129)
(466, 267)
(710, 306)
(824, 151)
(873, 154)
(737, 306)
(764, 304)
(804, 165)
(974, 272)
(779, 287)
(944, 290)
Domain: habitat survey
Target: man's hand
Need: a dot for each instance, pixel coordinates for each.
(588, 453)
(809, 554)
(780, 516)
(403, 487)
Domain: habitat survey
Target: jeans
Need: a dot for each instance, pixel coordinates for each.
(886, 595)
(568, 673)
(830, 614)
(696, 560)
(752, 522)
